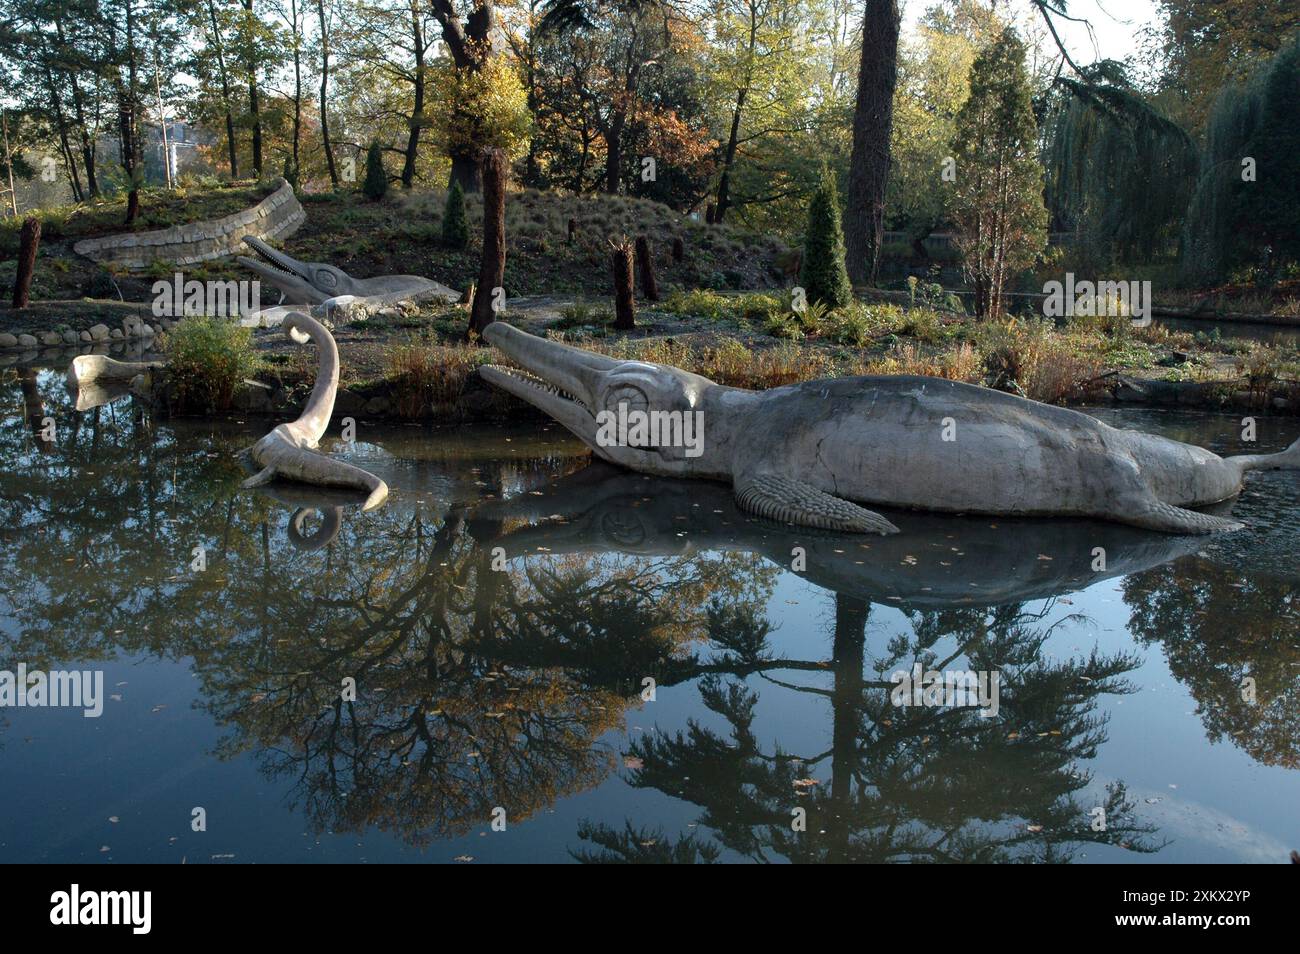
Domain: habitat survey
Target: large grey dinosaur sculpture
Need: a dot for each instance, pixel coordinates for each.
(289, 451)
(813, 453)
(315, 283)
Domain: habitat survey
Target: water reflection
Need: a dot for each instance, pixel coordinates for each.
(499, 626)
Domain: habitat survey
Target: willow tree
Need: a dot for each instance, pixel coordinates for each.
(998, 200)
(1246, 207)
(1119, 172)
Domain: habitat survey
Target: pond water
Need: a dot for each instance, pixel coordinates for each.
(501, 616)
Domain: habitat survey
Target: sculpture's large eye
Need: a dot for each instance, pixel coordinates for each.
(326, 278)
(628, 394)
(623, 529)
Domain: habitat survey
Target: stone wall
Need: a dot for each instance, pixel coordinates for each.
(276, 216)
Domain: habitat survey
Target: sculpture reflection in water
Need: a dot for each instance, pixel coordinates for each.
(895, 783)
(480, 687)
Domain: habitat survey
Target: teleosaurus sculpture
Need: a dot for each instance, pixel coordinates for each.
(813, 453)
(290, 449)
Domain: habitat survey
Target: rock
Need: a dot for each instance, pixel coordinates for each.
(99, 332)
(116, 334)
(52, 339)
(7, 340)
(348, 403)
(377, 405)
(85, 336)
(1281, 403)
(252, 396)
(1129, 390)
(157, 329)
(28, 341)
(71, 337)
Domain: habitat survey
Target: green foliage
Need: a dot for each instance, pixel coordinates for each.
(998, 205)
(375, 186)
(455, 228)
(207, 358)
(824, 277)
(1118, 170)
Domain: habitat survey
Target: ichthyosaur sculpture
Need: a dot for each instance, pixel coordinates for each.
(327, 289)
(815, 453)
(289, 451)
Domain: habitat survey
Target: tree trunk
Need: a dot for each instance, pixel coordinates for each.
(417, 110)
(231, 148)
(127, 106)
(254, 96)
(624, 303)
(873, 114)
(679, 250)
(729, 158)
(646, 267)
(492, 269)
(324, 88)
(29, 240)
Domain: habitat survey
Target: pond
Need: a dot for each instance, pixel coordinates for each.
(525, 657)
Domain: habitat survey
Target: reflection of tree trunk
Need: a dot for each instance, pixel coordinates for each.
(846, 708)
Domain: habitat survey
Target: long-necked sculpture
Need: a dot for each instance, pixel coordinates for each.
(289, 451)
(813, 453)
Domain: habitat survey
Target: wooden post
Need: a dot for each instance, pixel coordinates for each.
(28, 242)
(679, 250)
(624, 304)
(494, 168)
(646, 266)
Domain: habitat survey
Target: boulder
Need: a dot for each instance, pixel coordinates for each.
(7, 340)
(99, 332)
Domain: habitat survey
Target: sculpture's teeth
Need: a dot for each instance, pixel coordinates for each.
(537, 383)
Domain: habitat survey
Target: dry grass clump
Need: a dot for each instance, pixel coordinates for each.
(429, 377)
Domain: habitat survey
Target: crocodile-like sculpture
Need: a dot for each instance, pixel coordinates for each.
(813, 453)
(329, 290)
(289, 451)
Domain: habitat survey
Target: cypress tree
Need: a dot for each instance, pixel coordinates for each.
(375, 186)
(823, 276)
(455, 229)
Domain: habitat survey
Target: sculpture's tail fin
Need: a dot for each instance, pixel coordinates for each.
(1288, 459)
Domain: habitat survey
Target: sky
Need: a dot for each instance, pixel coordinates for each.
(1115, 24)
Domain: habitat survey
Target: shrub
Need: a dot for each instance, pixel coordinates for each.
(455, 229)
(207, 358)
(376, 185)
(824, 277)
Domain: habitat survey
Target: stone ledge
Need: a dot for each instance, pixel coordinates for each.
(276, 216)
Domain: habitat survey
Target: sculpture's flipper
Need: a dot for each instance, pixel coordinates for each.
(263, 476)
(788, 501)
(1153, 514)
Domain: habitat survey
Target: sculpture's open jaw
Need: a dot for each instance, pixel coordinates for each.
(556, 379)
(289, 275)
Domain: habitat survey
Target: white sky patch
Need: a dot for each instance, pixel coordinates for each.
(1116, 24)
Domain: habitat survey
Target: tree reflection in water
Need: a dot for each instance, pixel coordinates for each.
(479, 687)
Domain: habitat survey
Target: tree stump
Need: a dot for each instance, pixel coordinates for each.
(494, 169)
(646, 266)
(624, 304)
(28, 242)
